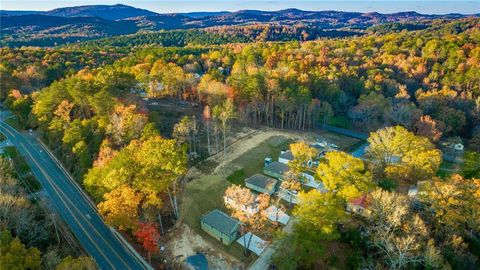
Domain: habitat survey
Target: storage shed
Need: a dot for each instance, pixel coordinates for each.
(221, 226)
(276, 170)
(261, 183)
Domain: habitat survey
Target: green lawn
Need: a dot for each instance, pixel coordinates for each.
(206, 193)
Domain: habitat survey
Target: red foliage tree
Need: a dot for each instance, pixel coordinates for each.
(148, 236)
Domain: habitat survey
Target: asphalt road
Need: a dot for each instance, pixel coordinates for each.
(72, 204)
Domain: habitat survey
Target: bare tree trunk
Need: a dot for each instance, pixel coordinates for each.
(208, 137)
(161, 224)
(224, 141)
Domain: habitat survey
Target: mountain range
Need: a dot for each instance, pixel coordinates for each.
(71, 24)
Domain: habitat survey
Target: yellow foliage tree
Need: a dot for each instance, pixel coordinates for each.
(344, 174)
(120, 207)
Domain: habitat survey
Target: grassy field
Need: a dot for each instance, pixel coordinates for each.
(206, 193)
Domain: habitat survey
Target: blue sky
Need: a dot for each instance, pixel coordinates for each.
(167, 6)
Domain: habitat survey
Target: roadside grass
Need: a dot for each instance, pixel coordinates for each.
(13, 122)
(2, 137)
(22, 169)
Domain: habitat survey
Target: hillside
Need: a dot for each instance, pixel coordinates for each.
(72, 24)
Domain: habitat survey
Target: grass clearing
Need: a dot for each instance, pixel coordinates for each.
(206, 192)
(237, 177)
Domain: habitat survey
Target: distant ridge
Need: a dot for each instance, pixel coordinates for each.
(72, 24)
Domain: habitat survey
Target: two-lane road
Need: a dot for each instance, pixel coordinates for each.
(73, 205)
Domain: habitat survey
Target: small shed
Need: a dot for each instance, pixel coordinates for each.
(221, 226)
(261, 183)
(276, 170)
(285, 157)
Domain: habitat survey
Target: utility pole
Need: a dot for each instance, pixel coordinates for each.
(56, 229)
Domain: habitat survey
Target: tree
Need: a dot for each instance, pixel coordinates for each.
(302, 154)
(126, 124)
(427, 127)
(345, 175)
(471, 165)
(120, 207)
(148, 236)
(224, 113)
(207, 117)
(15, 255)
(317, 216)
(398, 235)
(401, 155)
(455, 204)
(320, 211)
(80, 263)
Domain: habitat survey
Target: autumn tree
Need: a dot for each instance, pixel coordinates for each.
(126, 124)
(455, 204)
(302, 154)
(399, 235)
(207, 117)
(148, 235)
(401, 155)
(224, 114)
(80, 263)
(317, 216)
(15, 255)
(121, 207)
(344, 174)
(427, 127)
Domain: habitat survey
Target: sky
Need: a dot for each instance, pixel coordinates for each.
(168, 6)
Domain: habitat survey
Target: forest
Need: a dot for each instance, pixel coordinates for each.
(413, 89)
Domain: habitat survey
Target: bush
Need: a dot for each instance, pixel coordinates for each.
(387, 184)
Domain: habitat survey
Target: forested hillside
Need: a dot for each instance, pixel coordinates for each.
(413, 88)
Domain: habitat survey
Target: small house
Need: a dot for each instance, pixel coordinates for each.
(261, 183)
(221, 226)
(276, 170)
(285, 157)
(359, 206)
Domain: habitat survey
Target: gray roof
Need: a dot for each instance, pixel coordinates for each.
(287, 155)
(221, 221)
(277, 167)
(262, 181)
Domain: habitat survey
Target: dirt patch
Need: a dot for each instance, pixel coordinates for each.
(184, 242)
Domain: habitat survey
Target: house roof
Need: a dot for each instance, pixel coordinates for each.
(262, 181)
(361, 201)
(288, 155)
(277, 167)
(221, 221)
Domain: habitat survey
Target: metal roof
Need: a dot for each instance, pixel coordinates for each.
(277, 167)
(221, 221)
(262, 181)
